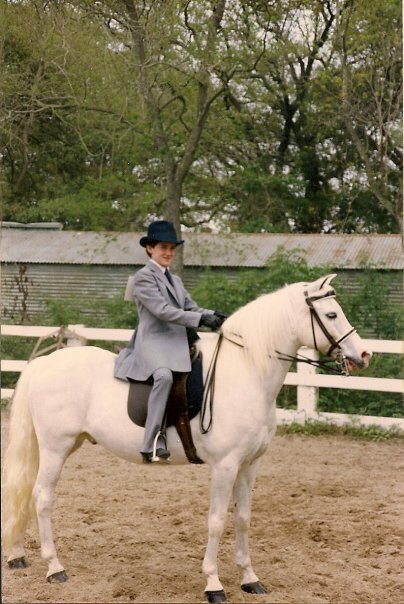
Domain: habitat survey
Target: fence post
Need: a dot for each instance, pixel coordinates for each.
(307, 396)
(73, 338)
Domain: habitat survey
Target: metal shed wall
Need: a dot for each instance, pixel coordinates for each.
(41, 246)
(41, 262)
(88, 284)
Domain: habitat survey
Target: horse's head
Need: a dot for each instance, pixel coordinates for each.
(326, 327)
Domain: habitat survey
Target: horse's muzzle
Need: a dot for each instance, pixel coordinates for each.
(366, 356)
(359, 363)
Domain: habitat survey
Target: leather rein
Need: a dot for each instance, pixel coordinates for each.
(209, 389)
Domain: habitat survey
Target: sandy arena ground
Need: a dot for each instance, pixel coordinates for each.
(327, 527)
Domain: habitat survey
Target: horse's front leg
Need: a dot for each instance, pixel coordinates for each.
(242, 495)
(222, 481)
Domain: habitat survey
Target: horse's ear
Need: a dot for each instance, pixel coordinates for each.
(327, 280)
(322, 282)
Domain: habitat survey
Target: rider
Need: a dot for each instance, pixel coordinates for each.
(159, 346)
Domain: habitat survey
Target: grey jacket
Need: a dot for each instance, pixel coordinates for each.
(160, 339)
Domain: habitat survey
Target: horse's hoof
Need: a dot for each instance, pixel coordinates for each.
(254, 588)
(216, 596)
(59, 577)
(18, 563)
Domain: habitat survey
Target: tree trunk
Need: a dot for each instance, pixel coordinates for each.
(176, 170)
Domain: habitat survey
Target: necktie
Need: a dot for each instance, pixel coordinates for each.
(169, 277)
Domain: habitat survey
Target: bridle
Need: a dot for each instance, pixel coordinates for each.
(315, 317)
(340, 360)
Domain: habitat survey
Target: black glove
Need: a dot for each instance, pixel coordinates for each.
(192, 336)
(211, 321)
(222, 315)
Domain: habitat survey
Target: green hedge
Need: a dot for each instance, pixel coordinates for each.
(219, 292)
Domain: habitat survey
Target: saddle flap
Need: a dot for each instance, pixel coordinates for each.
(186, 395)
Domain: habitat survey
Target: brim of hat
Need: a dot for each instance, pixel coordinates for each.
(147, 241)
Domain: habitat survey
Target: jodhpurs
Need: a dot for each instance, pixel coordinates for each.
(163, 380)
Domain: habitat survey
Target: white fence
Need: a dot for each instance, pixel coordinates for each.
(306, 379)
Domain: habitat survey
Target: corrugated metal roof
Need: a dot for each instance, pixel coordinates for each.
(41, 246)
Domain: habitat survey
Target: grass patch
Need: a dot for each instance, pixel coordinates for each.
(4, 402)
(353, 430)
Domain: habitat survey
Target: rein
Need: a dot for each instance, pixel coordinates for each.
(339, 361)
(340, 369)
(209, 389)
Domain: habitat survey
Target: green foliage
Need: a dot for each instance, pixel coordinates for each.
(368, 311)
(15, 348)
(353, 430)
(119, 313)
(79, 143)
(372, 432)
(112, 201)
(112, 312)
(221, 292)
(215, 290)
(388, 404)
(367, 308)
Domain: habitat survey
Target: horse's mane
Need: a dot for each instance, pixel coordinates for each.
(262, 326)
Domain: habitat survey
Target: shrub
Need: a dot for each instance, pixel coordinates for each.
(222, 293)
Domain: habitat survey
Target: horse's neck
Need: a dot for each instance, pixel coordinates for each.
(237, 375)
(275, 378)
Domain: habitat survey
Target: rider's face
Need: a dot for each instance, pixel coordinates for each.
(162, 253)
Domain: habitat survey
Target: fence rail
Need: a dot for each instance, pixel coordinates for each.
(306, 379)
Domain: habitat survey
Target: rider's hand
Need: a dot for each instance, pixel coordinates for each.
(222, 315)
(212, 321)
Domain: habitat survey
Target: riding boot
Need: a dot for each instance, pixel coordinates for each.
(185, 434)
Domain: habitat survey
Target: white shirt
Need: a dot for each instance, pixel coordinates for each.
(162, 268)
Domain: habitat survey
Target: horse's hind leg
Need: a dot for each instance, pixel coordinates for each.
(242, 494)
(17, 557)
(50, 467)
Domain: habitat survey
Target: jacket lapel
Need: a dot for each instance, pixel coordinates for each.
(164, 282)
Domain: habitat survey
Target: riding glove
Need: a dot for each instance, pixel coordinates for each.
(211, 321)
(222, 315)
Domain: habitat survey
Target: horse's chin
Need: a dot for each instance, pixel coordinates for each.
(352, 366)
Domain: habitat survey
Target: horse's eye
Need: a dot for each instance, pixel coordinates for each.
(331, 315)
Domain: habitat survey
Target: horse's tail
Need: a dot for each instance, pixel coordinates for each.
(20, 465)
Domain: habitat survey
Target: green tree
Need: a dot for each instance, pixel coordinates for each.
(298, 166)
(371, 96)
(274, 116)
(66, 140)
(175, 50)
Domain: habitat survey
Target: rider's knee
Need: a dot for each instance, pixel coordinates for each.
(163, 376)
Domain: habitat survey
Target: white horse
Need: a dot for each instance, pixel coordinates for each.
(71, 395)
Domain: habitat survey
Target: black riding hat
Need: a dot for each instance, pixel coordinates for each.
(160, 230)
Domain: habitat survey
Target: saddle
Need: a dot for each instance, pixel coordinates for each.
(184, 403)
